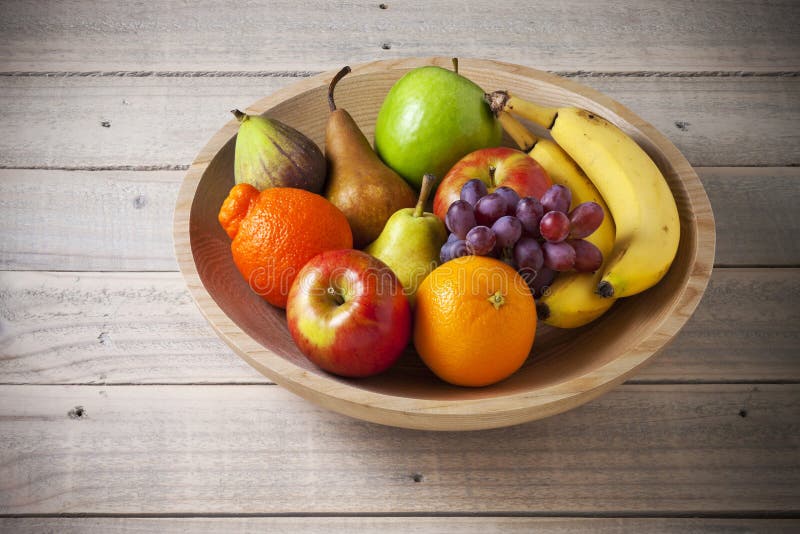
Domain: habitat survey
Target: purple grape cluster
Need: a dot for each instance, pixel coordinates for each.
(538, 237)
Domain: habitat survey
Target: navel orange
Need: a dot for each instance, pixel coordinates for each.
(475, 321)
(275, 232)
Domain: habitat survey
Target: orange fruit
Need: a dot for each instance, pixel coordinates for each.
(275, 233)
(475, 321)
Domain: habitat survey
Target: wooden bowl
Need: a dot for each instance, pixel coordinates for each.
(566, 367)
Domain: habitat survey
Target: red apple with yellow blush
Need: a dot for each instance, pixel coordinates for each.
(495, 167)
(348, 313)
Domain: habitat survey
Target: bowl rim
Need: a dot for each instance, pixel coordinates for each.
(465, 414)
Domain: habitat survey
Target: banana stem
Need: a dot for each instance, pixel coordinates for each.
(241, 117)
(518, 132)
(339, 75)
(427, 186)
(504, 101)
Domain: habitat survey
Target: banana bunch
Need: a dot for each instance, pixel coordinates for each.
(599, 162)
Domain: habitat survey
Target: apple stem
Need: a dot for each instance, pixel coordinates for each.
(492, 170)
(427, 185)
(455, 64)
(339, 75)
(337, 296)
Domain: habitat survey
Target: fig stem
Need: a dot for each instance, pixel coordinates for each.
(425, 190)
(241, 117)
(339, 75)
(455, 64)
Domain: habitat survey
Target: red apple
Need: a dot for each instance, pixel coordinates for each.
(347, 312)
(496, 167)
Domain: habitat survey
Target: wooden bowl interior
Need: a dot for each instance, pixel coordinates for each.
(558, 356)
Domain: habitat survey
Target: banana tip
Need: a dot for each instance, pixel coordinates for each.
(542, 311)
(497, 101)
(605, 290)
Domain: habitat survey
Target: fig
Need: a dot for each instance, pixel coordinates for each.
(270, 153)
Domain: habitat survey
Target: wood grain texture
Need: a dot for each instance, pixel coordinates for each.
(315, 35)
(120, 220)
(81, 220)
(756, 214)
(162, 122)
(259, 449)
(109, 328)
(399, 525)
(116, 328)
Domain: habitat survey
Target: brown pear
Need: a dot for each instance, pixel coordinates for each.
(359, 183)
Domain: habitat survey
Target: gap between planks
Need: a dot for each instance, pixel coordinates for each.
(308, 74)
(742, 514)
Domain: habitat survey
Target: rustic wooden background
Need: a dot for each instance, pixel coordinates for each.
(121, 410)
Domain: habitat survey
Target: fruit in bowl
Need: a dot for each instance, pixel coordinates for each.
(495, 168)
(475, 321)
(430, 118)
(276, 231)
(567, 367)
(367, 191)
(348, 314)
(411, 241)
(270, 153)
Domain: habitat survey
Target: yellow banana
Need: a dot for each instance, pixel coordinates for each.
(640, 201)
(570, 301)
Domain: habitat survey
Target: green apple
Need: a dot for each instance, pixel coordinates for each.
(430, 119)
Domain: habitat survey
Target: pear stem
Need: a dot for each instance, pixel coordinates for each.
(455, 64)
(339, 75)
(241, 117)
(427, 186)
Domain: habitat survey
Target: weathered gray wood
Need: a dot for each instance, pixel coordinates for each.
(119, 122)
(316, 35)
(115, 328)
(122, 220)
(757, 214)
(404, 525)
(81, 220)
(260, 449)
(109, 327)
(156, 121)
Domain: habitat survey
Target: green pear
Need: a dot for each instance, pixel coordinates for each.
(430, 119)
(411, 241)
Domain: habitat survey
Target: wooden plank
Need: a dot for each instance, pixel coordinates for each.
(756, 214)
(115, 328)
(285, 35)
(122, 220)
(260, 449)
(81, 220)
(398, 525)
(162, 122)
(745, 329)
(109, 328)
(96, 122)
